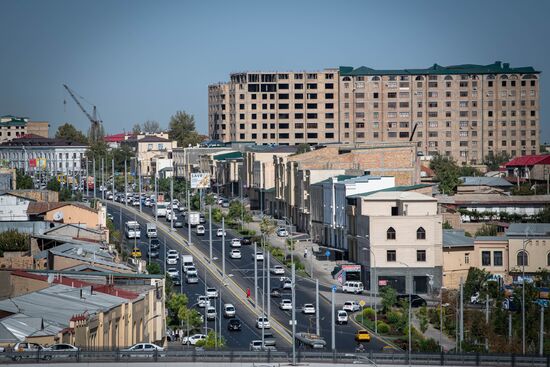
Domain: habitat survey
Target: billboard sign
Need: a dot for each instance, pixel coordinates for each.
(200, 180)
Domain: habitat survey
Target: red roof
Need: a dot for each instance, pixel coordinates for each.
(529, 160)
(116, 138)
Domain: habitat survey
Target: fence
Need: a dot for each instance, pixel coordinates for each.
(231, 356)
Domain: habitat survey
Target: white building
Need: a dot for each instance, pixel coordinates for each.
(13, 208)
(35, 154)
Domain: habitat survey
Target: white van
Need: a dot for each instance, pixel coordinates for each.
(151, 230)
(353, 287)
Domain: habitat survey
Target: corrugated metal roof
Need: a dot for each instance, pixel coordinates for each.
(529, 229)
(484, 181)
(397, 188)
(529, 160)
(456, 238)
(22, 326)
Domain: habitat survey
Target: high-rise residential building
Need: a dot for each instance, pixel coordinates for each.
(463, 111)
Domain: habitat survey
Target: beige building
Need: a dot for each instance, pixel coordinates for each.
(12, 127)
(463, 111)
(529, 245)
(153, 153)
(397, 235)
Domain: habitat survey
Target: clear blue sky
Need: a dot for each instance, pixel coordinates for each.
(140, 60)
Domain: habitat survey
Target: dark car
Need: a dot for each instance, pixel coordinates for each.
(234, 325)
(269, 339)
(176, 281)
(247, 240)
(416, 300)
(178, 224)
(275, 292)
(155, 243)
(154, 254)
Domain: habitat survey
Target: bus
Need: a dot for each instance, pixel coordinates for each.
(131, 228)
(160, 209)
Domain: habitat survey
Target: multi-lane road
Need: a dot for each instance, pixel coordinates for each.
(242, 273)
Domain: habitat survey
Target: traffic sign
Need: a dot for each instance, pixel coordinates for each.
(543, 302)
(362, 303)
(334, 288)
(327, 253)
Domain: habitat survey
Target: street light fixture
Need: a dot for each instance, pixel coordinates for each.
(523, 260)
(410, 308)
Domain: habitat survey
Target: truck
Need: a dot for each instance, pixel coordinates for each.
(192, 218)
(186, 262)
(151, 230)
(160, 209)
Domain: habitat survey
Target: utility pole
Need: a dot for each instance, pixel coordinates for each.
(223, 250)
(188, 221)
(113, 185)
(541, 337)
(332, 321)
(263, 300)
(138, 172)
(125, 183)
(461, 326)
(294, 315)
(172, 213)
(87, 187)
(95, 182)
(255, 276)
(102, 178)
(268, 294)
(210, 230)
(164, 262)
(156, 200)
(487, 320)
(318, 329)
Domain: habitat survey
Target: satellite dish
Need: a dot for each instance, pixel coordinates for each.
(79, 251)
(58, 216)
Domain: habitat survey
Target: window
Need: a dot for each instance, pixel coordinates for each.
(486, 258)
(390, 234)
(421, 255)
(467, 258)
(391, 256)
(497, 258)
(548, 259)
(522, 258)
(420, 234)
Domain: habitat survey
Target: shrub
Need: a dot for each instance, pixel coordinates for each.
(383, 328)
(393, 317)
(12, 240)
(368, 313)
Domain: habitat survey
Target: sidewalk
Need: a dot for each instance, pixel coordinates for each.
(433, 333)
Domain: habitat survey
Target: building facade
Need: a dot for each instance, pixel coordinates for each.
(13, 127)
(462, 111)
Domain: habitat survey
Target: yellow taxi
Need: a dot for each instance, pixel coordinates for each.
(136, 252)
(362, 336)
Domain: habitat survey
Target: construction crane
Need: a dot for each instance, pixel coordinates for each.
(96, 129)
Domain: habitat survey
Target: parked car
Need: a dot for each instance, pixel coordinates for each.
(278, 270)
(234, 325)
(351, 306)
(416, 300)
(285, 304)
(263, 323)
(154, 254)
(341, 317)
(225, 204)
(308, 309)
(176, 281)
(200, 230)
(193, 339)
(141, 350)
(235, 254)
(229, 310)
(362, 336)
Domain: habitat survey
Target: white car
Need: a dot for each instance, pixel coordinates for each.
(351, 306)
(220, 232)
(211, 313)
(173, 272)
(229, 310)
(200, 230)
(236, 242)
(259, 256)
(211, 293)
(172, 259)
(278, 270)
(263, 323)
(135, 203)
(341, 317)
(282, 232)
(141, 350)
(308, 309)
(191, 271)
(235, 254)
(193, 339)
(203, 301)
(285, 304)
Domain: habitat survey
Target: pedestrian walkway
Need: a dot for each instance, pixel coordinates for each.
(433, 333)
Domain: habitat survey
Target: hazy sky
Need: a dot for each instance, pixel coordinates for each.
(140, 60)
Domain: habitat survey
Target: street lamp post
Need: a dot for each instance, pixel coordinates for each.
(523, 260)
(410, 308)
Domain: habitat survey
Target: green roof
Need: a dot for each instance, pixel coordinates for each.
(397, 188)
(226, 156)
(496, 68)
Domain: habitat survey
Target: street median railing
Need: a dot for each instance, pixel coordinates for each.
(239, 356)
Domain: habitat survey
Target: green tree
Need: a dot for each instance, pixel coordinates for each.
(267, 227)
(53, 185)
(182, 129)
(136, 129)
(493, 161)
(189, 318)
(238, 211)
(153, 268)
(447, 225)
(303, 148)
(524, 189)
(446, 172)
(389, 298)
(12, 240)
(151, 126)
(23, 181)
(487, 230)
(210, 341)
(69, 132)
(475, 281)
(469, 171)
(176, 301)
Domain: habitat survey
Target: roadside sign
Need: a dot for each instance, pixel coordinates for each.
(327, 253)
(200, 180)
(362, 303)
(334, 288)
(543, 303)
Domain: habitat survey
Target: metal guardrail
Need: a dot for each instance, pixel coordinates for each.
(235, 356)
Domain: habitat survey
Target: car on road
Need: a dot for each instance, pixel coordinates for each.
(136, 252)
(154, 254)
(308, 309)
(258, 346)
(285, 304)
(259, 256)
(286, 284)
(192, 279)
(220, 232)
(178, 223)
(234, 325)
(211, 293)
(172, 272)
(26, 351)
(211, 313)
(277, 270)
(193, 339)
(225, 204)
(141, 350)
(203, 301)
(176, 281)
(341, 317)
(275, 292)
(263, 323)
(351, 306)
(247, 240)
(353, 287)
(202, 219)
(282, 232)
(229, 310)
(362, 336)
(416, 300)
(135, 203)
(269, 339)
(200, 230)
(235, 254)
(191, 270)
(235, 242)
(172, 259)
(154, 243)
